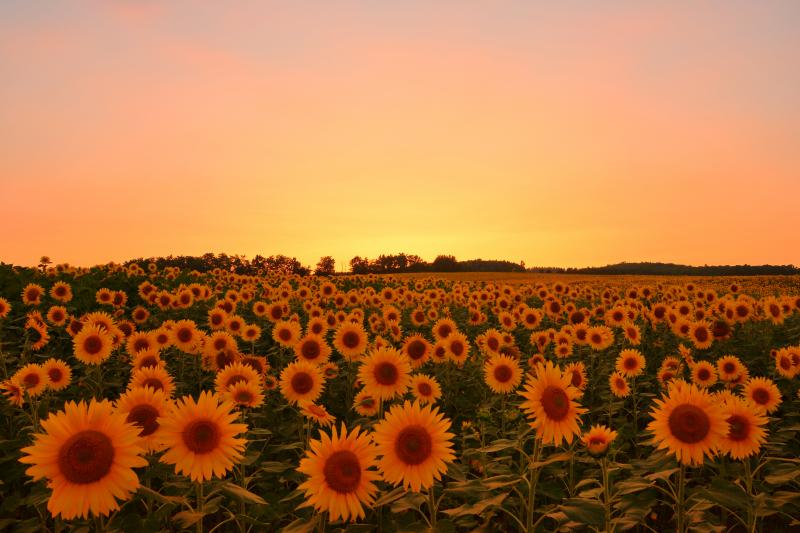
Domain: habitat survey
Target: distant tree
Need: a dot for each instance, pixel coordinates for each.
(359, 265)
(326, 266)
(444, 263)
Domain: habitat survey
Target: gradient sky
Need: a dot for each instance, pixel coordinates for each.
(568, 133)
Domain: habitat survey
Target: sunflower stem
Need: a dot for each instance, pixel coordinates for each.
(679, 504)
(533, 472)
(606, 493)
(200, 504)
(432, 506)
(751, 513)
(635, 418)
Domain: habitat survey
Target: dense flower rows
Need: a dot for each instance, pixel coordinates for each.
(139, 399)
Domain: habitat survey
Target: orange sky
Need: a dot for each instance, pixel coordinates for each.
(575, 135)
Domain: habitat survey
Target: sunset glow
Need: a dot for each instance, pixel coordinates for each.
(583, 134)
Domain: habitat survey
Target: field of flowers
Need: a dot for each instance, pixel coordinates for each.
(139, 399)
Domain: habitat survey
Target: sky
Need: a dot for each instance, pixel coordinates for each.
(559, 133)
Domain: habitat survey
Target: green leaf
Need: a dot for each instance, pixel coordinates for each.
(555, 458)
(242, 494)
(477, 508)
(187, 518)
(274, 467)
(499, 444)
(583, 511)
(412, 500)
(177, 500)
(302, 525)
(390, 497)
(782, 473)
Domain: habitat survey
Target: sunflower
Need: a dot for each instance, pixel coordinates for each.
(385, 373)
(92, 345)
(33, 378)
(312, 348)
(414, 445)
(301, 381)
(258, 363)
(185, 336)
(763, 393)
(244, 394)
(745, 433)
(57, 315)
(317, 413)
(32, 294)
(155, 377)
(148, 357)
(443, 328)
(502, 374)
(417, 349)
(350, 340)
(704, 374)
(632, 333)
(340, 480)
(5, 308)
(200, 437)
(457, 347)
(13, 391)
(59, 374)
(425, 388)
(61, 292)
(630, 363)
(577, 373)
(218, 341)
(87, 453)
(493, 341)
(365, 404)
(233, 374)
(142, 406)
(688, 423)
(599, 337)
(550, 404)
(701, 335)
(784, 364)
(619, 385)
(598, 439)
(217, 318)
(729, 367)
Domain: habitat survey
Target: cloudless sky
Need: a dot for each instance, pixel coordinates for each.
(559, 133)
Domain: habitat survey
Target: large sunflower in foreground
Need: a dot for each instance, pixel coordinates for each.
(745, 433)
(87, 453)
(415, 445)
(550, 403)
(688, 423)
(339, 477)
(201, 437)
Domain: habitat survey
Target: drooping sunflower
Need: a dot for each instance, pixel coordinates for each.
(502, 374)
(704, 374)
(619, 385)
(33, 378)
(630, 363)
(340, 476)
(350, 340)
(312, 348)
(301, 381)
(142, 407)
(425, 388)
(14, 392)
(155, 377)
(92, 345)
(746, 431)
(414, 444)
(763, 393)
(200, 437)
(59, 374)
(317, 413)
(550, 404)
(365, 404)
(385, 373)
(688, 423)
(87, 453)
(598, 439)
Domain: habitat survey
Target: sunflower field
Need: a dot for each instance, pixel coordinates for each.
(143, 399)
